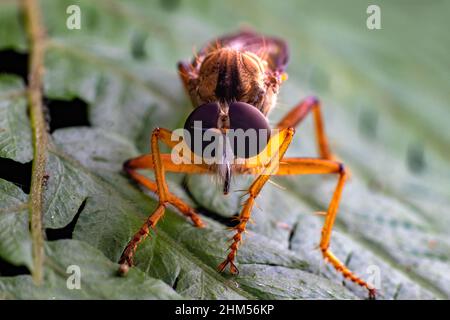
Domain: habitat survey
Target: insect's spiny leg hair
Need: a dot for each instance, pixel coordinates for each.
(346, 272)
(143, 162)
(237, 238)
(326, 236)
(253, 192)
(126, 260)
(186, 210)
(303, 166)
(156, 161)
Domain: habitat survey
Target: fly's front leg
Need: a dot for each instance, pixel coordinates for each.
(157, 162)
(253, 192)
(146, 162)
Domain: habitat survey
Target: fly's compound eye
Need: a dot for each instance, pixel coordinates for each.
(250, 130)
(198, 134)
(248, 134)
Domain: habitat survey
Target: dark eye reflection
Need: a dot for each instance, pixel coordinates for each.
(247, 136)
(251, 130)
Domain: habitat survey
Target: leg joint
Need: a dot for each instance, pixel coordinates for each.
(313, 101)
(163, 202)
(291, 131)
(127, 166)
(156, 132)
(342, 169)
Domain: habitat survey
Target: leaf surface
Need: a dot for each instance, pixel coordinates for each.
(385, 102)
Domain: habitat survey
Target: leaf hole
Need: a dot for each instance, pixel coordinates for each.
(13, 62)
(67, 231)
(64, 114)
(9, 270)
(292, 234)
(175, 283)
(17, 173)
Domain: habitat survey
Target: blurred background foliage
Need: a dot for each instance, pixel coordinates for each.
(385, 96)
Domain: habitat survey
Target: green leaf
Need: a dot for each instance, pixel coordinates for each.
(178, 253)
(385, 102)
(12, 34)
(15, 239)
(15, 133)
(97, 278)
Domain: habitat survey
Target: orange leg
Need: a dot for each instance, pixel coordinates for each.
(301, 166)
(296, 116)
(159, 163)
(254, 190)
(184, 208)
(291, 166)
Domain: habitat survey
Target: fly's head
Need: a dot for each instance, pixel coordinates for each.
(221, 133)
(232, 75)
(233, 85)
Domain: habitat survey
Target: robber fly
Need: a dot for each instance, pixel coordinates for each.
(233, 83)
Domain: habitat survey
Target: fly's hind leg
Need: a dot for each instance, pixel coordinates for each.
(294, 166)
(298, 114)
(159, 163)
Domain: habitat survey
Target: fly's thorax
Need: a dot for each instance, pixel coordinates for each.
(231, 75)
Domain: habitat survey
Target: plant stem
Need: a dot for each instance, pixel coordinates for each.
(36, 36)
